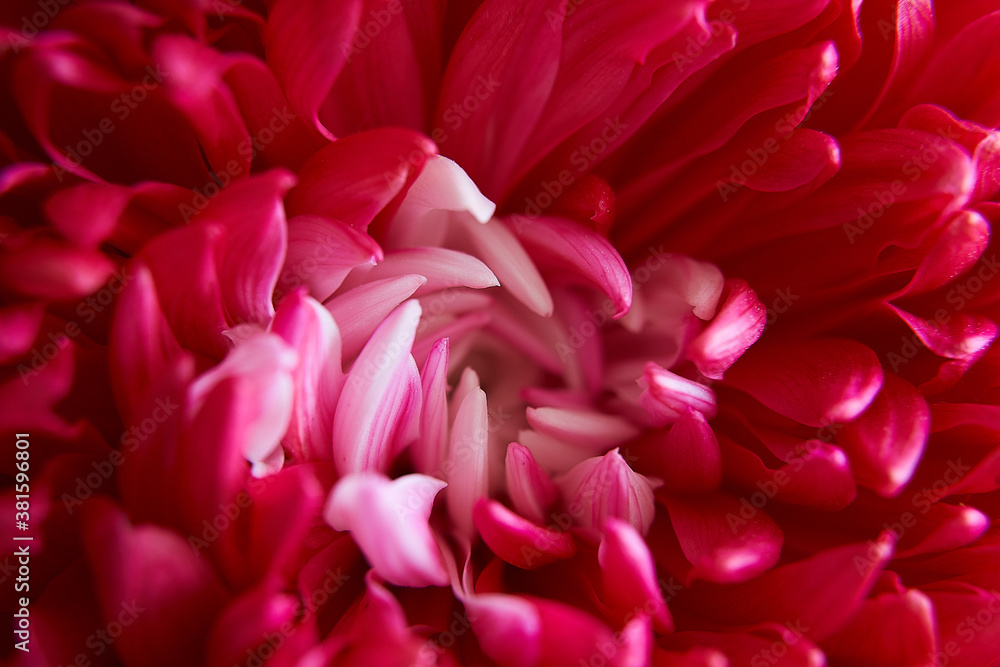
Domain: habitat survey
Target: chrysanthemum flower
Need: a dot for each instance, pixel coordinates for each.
(506, 333)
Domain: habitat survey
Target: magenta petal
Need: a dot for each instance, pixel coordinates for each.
(886, 442)
(720, 543)
(531, 489)
(44, 268)
(388, 521)
(355, 178)
(151, 575)
(142, 344)
(961, 245)
(738, 324)
(573, 250)
(309, 329)
(264, 363)
(687, 458)
(628, 575)
(321, 252)
(20, 324)
(518, 541)
(256, 614)
(379, 400)
(821, 591)
(508, 628)
(888, 629)
(816, 383)
(86, 214)
(307, 45)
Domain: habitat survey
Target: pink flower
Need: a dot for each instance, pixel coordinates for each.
(505, 332)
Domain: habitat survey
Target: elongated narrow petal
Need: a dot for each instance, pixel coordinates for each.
(441, 267)
(628, 574)
(468, 460)
(531, 489)
(360, 311)
(378, 401)
(321, 252)
(388, 521)
(432, 444)
(737, 326)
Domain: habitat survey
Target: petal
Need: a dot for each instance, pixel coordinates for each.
(738, 324)
(86, 214)
(360, 311)
(888, 629)
(432, 444)
(508, 628)
(667, 396)
(44, 268)
(588, 428)
(531, 490)
(570, 249)
(816, 383)
(886, 442)
(321, 252)
(687, 457)
(305, 44)
(388, 521)
(720, 543)
(518, 541)
(379, 400)
(443, 268)
(628, 575)
(310, 330)
(467, 468)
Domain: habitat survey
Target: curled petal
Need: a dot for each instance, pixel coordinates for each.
(388, 521)
(667, 396)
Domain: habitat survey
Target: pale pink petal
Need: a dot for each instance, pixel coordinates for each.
(667, 396)
(584, 427)
(378, 402)
(737, 326)
(388, 521)
(358, 312)
(443, 268)
(429, 449)
(467, 469)
(321, 252)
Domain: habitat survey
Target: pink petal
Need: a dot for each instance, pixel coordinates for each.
(441, 186)
(518, 541)
(737, 326)
(531, 490)
(508, 628)
(820, 592)
(379, 400)
(687, 457)
(605, 487)
(816, 383)
(584, 427)
(305, 48)
(500, 250)
(265, 363)
(47, 269)
(443, 268)
(963, 242)
(886, 442)
(720, 543)
(321, 252)
(388, 521)
(310, 330)
(20, 324)
(431, 445)
(628, 575)
(467, 468)
(360, 311)
(256, 614)
(667, 396)
(566, 246)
